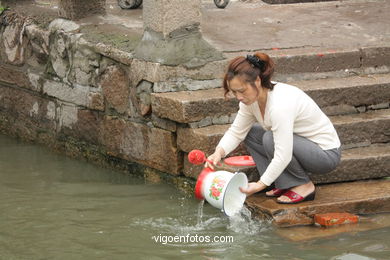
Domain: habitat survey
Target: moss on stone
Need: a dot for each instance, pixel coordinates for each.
(120, 39)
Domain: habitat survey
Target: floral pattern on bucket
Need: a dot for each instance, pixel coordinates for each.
(216, 187)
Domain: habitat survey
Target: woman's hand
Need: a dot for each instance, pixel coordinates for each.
(253, 187)
(215, 158)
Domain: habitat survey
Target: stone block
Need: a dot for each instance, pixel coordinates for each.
(167, 16)
(380, 106)
(152, 147)
(339, 110)
(369, 127)
(77, 9)
(84, 66)
(192, 106)
(289, 62)
(115, 85)
(164, 123)
(205, 139)
(31, 114)
(39, 44)
(14, 76)
(14, 40)
(363, 197)
(67, 115)
(360, 163)
(140, 97)
(88, 126)
(352, 91)
(60, 54)
(76, 94)
(375, 56)
(183, 84)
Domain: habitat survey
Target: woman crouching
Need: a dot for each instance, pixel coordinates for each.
(284, 130)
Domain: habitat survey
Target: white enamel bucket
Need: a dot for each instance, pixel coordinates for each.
(221, 189)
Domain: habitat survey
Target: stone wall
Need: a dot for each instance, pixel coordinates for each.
(59, 89)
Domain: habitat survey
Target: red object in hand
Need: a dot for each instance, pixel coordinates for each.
(196, 157)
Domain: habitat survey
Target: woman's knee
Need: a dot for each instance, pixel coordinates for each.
(254, 135)
(268, 142)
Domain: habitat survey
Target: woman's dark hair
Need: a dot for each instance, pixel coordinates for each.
(249, 68)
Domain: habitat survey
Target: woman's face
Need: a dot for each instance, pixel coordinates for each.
(244, 91)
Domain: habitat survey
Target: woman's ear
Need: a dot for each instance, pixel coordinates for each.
(258, 82)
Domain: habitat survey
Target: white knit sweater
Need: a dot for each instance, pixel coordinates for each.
(288, 111)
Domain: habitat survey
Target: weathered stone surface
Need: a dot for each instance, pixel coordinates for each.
(88, 126)
(141, 97)
(115, 85)
(364, 197)
(353, 91)
(152, 147)
(292, 61)
(380, 106)
(96, 101)
(36, 81)
(369, 127)
(14, 39)
(60, 54)
(163, 123)
(204, 139)
(183, 84)
(67, 115)
(339, 110)
(63, 25)
(39, 44)
(375, 56)
(186, 47)
(77, 9)
(166, 16)
(14, 76)
(191, 106)
(359, 164)
(84, 66)
(28, 114)
(78, 95)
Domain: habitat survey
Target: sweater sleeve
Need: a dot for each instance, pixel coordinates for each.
(238, 130)
(282, 121)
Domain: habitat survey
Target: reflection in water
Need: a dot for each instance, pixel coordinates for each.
(53, 207)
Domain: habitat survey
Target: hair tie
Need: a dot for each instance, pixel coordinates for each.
(255, 61)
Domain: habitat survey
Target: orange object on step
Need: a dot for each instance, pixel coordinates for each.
(330, 219)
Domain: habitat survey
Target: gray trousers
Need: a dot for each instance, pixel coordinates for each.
(307, 157)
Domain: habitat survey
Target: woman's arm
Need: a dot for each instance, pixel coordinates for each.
(234, 135)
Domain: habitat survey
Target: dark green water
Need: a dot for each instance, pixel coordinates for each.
(53, 207)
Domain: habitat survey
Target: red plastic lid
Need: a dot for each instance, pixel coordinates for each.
(244, 160)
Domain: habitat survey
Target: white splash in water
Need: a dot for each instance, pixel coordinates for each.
(242, 222)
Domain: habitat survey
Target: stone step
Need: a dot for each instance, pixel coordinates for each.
(320, 62)
(359, 164)
(362, 197)
(337, 93)
(354, 130)
(356, 164)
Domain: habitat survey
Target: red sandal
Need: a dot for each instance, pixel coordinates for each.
(276, 192)
(296, 198)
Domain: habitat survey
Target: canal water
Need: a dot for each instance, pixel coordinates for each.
(54, 207)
